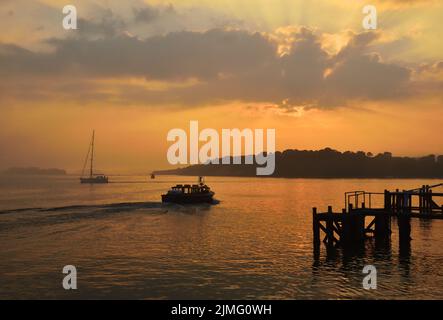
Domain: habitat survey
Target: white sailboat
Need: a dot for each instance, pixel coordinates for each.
(92, 178)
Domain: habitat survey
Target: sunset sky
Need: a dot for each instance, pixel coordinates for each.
(136, 69)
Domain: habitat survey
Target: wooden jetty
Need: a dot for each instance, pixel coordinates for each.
(350, 226)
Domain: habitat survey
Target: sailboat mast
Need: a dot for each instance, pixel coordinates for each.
(92, 153)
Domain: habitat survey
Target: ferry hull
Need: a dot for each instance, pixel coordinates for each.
(188, 198)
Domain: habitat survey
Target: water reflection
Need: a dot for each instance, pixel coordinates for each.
(256, 244)
(379, 250)
(347, 260)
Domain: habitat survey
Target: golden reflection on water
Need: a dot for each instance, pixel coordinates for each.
(256, 243)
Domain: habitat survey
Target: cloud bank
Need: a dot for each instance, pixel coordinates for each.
(204, 67)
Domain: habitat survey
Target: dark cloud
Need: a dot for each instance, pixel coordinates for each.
(359, 74)
(146, 14)
(368, 78)
(229, 66)
(107, 25)
(19, 62)
(304, 66)
(176, 56)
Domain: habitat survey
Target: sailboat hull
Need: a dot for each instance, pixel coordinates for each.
(94, 180)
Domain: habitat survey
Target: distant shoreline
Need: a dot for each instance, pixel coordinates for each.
(326, 164)
(35, 171)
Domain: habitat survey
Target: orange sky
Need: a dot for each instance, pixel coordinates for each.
(136, 69)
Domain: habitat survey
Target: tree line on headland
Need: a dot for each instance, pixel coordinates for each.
(327, 163)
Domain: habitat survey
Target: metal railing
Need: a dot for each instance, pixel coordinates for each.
(420, 200)
(360, 199)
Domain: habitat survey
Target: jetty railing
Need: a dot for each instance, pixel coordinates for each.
(361, 198)
(416, 201)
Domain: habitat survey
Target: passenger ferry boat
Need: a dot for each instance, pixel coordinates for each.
(189, 194)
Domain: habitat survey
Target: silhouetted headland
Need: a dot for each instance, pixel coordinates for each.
(35, 171)
(327, 163)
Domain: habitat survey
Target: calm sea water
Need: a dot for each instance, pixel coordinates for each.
(255, 244)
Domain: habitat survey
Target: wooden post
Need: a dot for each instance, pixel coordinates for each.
(395, 202)
(315, 228)
(330, 226)
(382, 226)
(404, 227)
(387, 201)
(360, 229)
(430, 201)
(398, 201)
(345, 238)
(425, 200)
(422, 202)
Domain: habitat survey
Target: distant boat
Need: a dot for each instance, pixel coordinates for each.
(189, 194)
(152, 176)
(92, 178)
